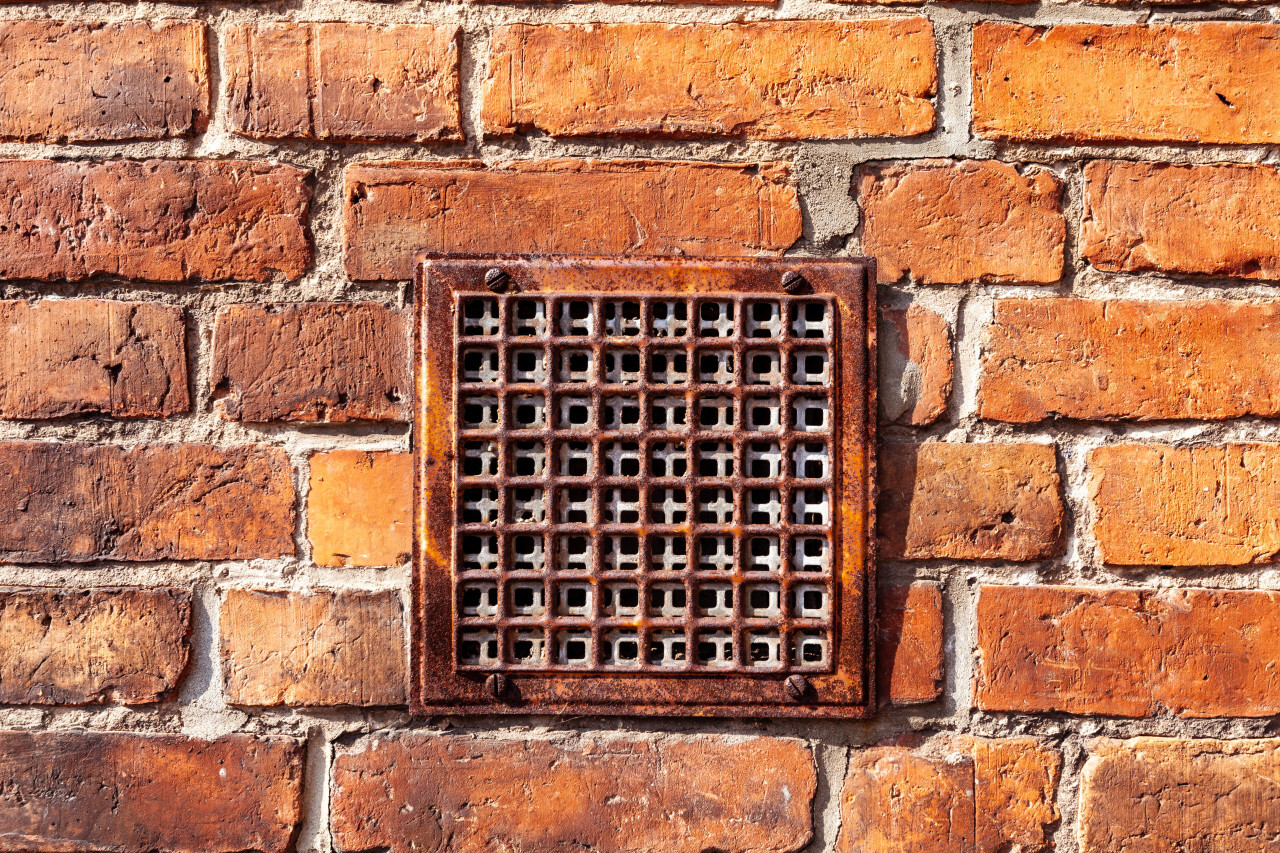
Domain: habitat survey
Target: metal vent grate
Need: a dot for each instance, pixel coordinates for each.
(643, 486)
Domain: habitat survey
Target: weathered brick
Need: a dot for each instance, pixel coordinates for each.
(909, 657)
(1128, 652)
(343, 82)
(73, 503)
(1126, 360)
(60, 358)
(970, 501)
(942, 222)
(359, 508)
(894, 801)
(153, 220)
(1150, 795)
(321, 648)
(1204, 82)
(762, 80)
(584, 206)
(141, 793)
(80, 81)
(312, 362)
(1015, 795)
(1186, 506)
(608, 794)
(1221, 220)
(915, 366)
(84, 646)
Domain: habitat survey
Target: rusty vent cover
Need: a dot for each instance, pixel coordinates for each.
(643, 486)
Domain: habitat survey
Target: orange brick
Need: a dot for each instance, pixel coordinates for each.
(323, 648)
(583, 206)
(909, 657)
(1186, 506)
(81, 81)
(767, 80)
(940, 222)
(969, 502)
(895, 801)
(63, 357)
(1221, 220)
(1204, 82)
(343, 82)
(608, 794)
(72, 503)
(359, 508)
(1123, 360)
(915, 366)
(153, 220)
(1015, 795)
(1154, 794)
(1127, 652)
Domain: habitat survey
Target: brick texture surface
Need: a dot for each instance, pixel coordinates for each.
(939, 222)
(769, 80)
(324, 362)
(1128, 360)
(359, 508)
(970, 501)
(1202, 82)
(910, 659)
(350, 82)
(1015, 792)
(1186, 506)
(82, 81)
(915, 365)
(322, 648)
(605, 793)
(579, 206)
(60, 358)
(1219, 220)
(1153, 794)
(139, 793)
(83, 646)
(79, 502)
(153, 220)
(894, 800)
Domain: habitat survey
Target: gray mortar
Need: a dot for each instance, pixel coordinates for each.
(823, 171)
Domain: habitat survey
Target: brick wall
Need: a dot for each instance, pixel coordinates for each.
(207, 215)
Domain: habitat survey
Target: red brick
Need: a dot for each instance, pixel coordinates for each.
(322, 648)
(60, 358)
(909, 657)
(343, 82)
(915, 366)
(1204, 82)
(941, 222)
(1015, 795)
(140, 793)
(1128, 652)
(969, 502)
(85, 646)
(764, 80)
(606, 793)
(312, 362)
(1186, 506)
(76, 503)
(81, 81)
(359, 508)
(575, 206)
(895, 801)
(1221, 220)
(153, 220)
(1150, 795)
(1122, 360)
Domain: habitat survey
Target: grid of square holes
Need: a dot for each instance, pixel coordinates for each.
(644, 483)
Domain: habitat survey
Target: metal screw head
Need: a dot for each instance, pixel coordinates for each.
(497, 685)
(797, 686)
(793, 282)
(497, 280)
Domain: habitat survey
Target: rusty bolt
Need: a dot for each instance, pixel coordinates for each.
(497, 684)
(797, 686)
(793, 282)
(497, 280)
